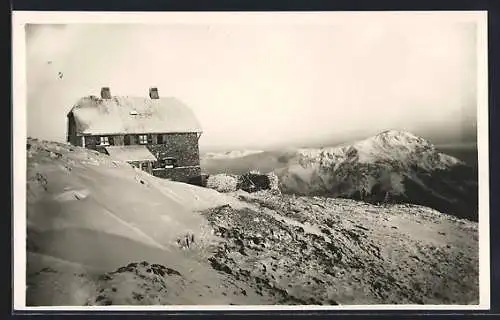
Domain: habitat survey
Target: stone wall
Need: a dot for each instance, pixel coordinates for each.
(91, 142)
(181, 146)
(182, 174)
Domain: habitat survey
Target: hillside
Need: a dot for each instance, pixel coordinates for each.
(393, 166)
(102, 233)
(88, 212)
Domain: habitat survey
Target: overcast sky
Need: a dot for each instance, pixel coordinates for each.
(259, 84)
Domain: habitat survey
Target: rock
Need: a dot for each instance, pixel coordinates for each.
(140, 283)
(200, 180)
(253, 182)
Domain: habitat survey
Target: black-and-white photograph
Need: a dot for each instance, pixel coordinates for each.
(267, 160)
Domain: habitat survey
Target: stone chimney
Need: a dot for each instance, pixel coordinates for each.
(105, 93)
(153, 93)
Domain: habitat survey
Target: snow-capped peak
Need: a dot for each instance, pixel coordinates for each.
(391, 145)
(397, 137)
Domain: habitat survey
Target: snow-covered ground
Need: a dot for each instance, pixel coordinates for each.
(317, 250)
(88, 212)
(102, 232)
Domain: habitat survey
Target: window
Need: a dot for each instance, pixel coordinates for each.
(104, 141)
(159, 139)
(143, 139)
(170, 162)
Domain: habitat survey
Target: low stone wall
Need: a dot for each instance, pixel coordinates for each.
(181, 174)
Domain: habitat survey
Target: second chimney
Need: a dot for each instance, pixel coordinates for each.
(105, 93)
(153, 93)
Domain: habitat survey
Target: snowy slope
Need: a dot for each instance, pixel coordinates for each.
(101, 233)
(88, 212)
(316, 250)
(125, 201)
(393, 164)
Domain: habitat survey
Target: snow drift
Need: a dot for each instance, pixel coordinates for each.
(88, 214)
(100, 232)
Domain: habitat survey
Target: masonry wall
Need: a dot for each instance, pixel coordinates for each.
(91, 142)
(181, 146)
(183, 174)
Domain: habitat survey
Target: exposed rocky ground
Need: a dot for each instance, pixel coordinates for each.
(329, 251)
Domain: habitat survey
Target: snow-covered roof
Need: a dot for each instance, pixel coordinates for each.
(130, 153)
(120, 115)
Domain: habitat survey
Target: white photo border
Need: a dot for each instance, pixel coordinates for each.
(21, 18)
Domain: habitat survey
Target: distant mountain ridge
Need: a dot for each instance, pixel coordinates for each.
(392, 166)
(395, 147)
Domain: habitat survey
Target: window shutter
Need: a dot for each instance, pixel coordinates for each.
(111, 141)
(150, 139)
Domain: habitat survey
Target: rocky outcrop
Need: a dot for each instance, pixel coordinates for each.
(136, 284)
(306, 250)
(253, 182)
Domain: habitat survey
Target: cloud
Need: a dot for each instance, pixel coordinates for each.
(256, 85)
